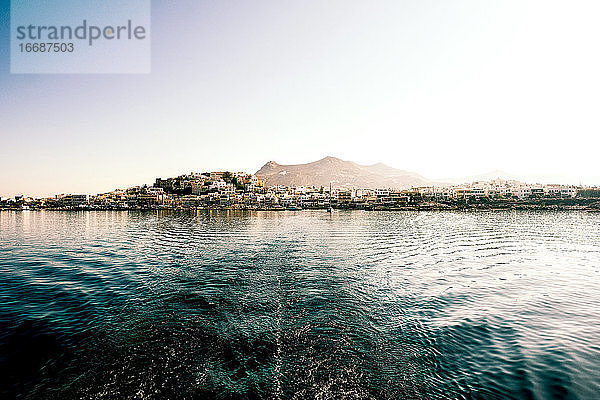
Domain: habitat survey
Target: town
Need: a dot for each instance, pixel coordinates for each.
(243, 191)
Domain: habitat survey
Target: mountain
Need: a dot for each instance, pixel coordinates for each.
(340, 173)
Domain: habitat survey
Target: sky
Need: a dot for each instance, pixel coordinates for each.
(442, 88)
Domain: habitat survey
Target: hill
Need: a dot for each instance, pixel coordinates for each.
(340, 173)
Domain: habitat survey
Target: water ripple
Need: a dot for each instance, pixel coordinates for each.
(348, 305)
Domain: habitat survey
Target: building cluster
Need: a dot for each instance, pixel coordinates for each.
(229, 190)
(499, 188)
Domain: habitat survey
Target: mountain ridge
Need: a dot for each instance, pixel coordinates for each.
(339, 172)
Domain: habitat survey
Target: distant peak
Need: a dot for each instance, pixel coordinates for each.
(330, 158)
(269, 166)
(378, 167)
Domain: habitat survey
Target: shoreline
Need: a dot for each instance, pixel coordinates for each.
(275, 209)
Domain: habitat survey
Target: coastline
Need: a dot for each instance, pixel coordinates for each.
(283, 209)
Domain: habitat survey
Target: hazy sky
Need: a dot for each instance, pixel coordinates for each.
(444, 88)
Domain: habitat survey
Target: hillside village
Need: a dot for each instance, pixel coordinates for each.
(238, 190)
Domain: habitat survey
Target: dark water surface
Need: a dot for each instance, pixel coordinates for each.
(299, 305)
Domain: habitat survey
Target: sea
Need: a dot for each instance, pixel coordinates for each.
(299, 305)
